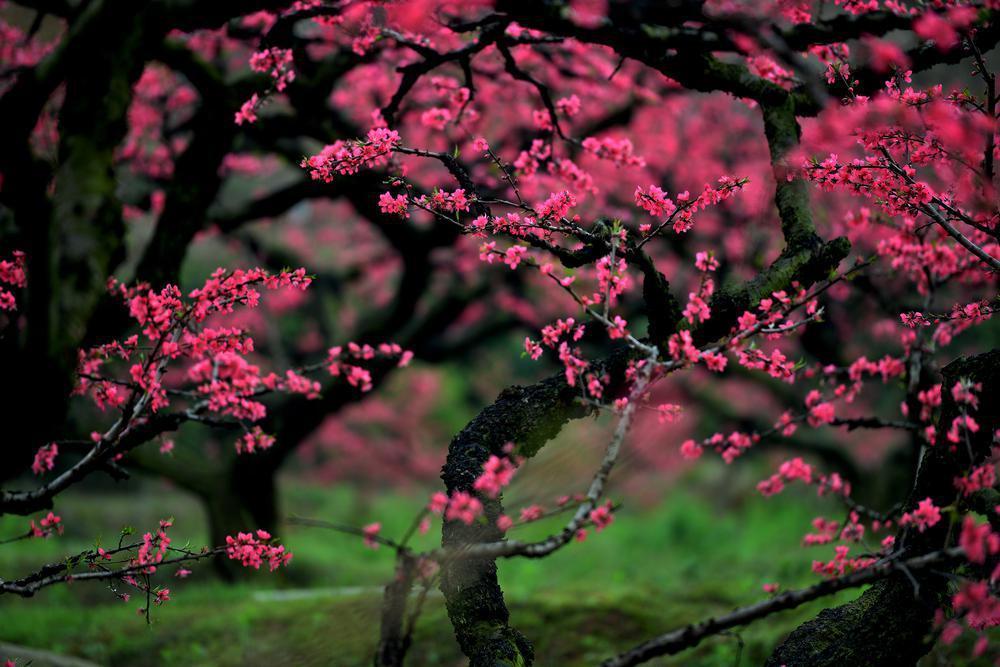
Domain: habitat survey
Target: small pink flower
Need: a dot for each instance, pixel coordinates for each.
(371, 532)
(45, 459)
(463, 507)
(925, 516)
(602, 516)
(438, 503)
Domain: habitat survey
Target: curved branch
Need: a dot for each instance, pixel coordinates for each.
(889, 624)
(691, 635)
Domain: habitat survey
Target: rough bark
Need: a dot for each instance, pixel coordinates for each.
(529, 417)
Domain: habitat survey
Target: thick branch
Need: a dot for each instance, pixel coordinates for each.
(891, 622)
(691, 635)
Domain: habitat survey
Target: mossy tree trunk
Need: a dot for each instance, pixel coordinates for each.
(67, 217)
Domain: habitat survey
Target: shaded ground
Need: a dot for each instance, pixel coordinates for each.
(229, 627)
(708, 549)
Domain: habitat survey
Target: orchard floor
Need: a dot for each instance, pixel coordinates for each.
(700, 553)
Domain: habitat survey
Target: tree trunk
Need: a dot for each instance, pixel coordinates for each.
(394, 640)
(243, 499)
(238, 494)
(74, 237)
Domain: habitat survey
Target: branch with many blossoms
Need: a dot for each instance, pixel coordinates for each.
(129, 568)
(183, 365)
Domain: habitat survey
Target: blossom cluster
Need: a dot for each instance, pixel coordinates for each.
(655, 201)
(47, 526)
(255, 549)
(45, 458)
(348, 361)
(798, 470)
(174, 329)
(153, 548)
(350, 157)
(12, 274)
(278, 64)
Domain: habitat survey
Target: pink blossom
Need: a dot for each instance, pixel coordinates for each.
(980, 477)
(618, 330)
(618, 151)
(394, 205)
(746, 321)
(965, 393)
(771, 486)
(438, 502)
(667, 413)
(463, 507)
(602, 516)
(691, 449)
(253, 440)
(960, 423)
(531, 513)
(371, 532)
(254, 549)
(714, 361)
(514, 255)
(436, 118)
(45, 458)
(654, 201)
(681, 347)
(796, 469)
(47, 526)
(925, 516)
(705, 261)
(347, 158)
(568, 106)
(497, 473)
(884, 55)
(978, 540)
(981, 609)
(248, 111)
(932, 26)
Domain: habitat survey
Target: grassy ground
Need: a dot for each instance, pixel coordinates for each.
(653, 570)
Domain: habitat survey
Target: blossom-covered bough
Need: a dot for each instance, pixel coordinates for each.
(830, 210)
(130, 566)
(219, 387)
(530, 416)
(167, 134)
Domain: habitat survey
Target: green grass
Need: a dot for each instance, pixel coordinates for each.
(709, 546)
(227, 626)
